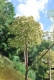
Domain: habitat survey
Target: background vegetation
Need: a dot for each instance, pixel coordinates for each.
(22, 37)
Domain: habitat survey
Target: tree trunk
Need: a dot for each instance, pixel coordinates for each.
(50, 72)
(49, 67)
(26, 61)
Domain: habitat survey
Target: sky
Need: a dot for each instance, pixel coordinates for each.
(37, 8)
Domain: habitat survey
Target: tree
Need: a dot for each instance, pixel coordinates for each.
(27, 32)
(48, 61)
(6, 18)
(34, 50)
(6, 13)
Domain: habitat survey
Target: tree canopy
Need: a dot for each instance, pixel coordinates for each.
(6, 18)
(27, 30)
(6, 12)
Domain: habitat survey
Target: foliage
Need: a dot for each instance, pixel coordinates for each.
(35, 49)
(25, 29)
(6, 13)
(18, 32)
(27, 32)
(44, 45)
(47, 57)
(32, 54)
(31, 74)
(6, 18)
(19, 66)
(47, 61)
(39, 68)
(40, 72)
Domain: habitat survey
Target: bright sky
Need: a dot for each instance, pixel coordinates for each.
(36, 8)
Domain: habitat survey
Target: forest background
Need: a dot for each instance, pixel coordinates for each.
(23, 42)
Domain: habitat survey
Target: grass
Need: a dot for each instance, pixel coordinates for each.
(10, 74)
